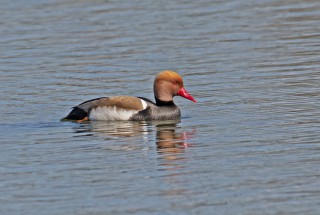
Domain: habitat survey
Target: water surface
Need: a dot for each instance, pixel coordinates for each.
(249, 146)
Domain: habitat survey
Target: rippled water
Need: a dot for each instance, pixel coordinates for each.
(249, 146)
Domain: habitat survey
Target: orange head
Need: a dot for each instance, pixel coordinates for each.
(168, 84)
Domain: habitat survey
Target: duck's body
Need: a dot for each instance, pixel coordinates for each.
(167, 85)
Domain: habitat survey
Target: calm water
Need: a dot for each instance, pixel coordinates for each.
(251, 145)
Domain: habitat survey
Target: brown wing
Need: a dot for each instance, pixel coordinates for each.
(81, 111)
(123, 102)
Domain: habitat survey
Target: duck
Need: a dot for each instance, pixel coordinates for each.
(167, 84)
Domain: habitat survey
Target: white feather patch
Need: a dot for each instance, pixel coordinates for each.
(144, 104)
(111, 113)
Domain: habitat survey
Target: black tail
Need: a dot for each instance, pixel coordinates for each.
(76, 114)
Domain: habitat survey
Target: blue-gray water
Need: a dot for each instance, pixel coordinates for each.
(251, 145)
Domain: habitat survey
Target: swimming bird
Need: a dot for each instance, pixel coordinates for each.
(167, 84)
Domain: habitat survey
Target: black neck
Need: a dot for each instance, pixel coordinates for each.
(164, 103)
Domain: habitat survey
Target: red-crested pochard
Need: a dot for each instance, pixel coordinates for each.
(167, 84)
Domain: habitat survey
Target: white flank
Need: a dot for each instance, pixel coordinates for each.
(144, 104)
(111, 113)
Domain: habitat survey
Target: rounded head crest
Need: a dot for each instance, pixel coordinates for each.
(170, 76)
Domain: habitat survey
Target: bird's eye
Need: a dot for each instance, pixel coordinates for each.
(174, 82)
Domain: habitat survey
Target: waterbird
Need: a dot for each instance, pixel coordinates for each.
(167, 84)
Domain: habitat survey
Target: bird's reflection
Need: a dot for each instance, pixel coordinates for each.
(119, 129)
(168, 137)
